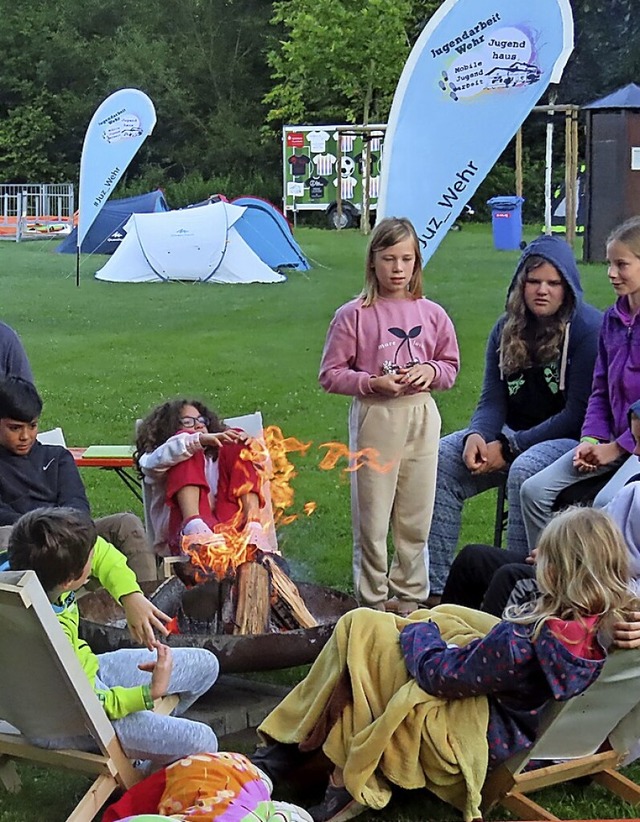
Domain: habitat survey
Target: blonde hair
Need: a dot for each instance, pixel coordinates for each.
(388, 232)
(525, 341)
(627, 233)
(582, 569)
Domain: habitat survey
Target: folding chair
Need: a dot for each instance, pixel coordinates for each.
(53, 437)
(44, 693)
(590, 735)
(252, 424)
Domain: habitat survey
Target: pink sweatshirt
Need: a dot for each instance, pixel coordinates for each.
(363, 342)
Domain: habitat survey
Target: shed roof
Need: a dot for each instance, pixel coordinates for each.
(625, 97)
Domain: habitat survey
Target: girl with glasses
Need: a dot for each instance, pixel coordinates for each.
(197, 474)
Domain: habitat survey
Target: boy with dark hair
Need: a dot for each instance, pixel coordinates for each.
(33, 475)
(62, 547)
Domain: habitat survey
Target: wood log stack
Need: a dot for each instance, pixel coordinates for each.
(258, 598)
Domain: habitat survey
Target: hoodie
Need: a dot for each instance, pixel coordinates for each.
(517, 673)
(577, 359)
(616, 377)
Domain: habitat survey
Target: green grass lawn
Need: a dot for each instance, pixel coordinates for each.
(103, 354)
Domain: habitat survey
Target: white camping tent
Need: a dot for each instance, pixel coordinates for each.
(192, 244)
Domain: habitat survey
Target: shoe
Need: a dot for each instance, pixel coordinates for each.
(401, 607)
(286, 763)
(277, 760)
(433, 600)
(337, 806)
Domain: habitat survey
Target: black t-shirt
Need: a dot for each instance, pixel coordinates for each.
(534, 396)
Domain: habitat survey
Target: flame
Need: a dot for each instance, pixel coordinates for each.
(220, 557)
(357, 459)
(281, 472)
(215, 557)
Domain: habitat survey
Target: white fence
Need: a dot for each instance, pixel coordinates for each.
(35, 209)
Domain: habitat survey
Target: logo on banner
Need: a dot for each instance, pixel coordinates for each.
(124, 126)
(503, 59)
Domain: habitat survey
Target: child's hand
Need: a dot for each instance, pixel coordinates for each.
(474, 454)
(627, 634)
(584, 457)
(420, 375)
(142, 618)
(589, 456)
(390, 385)
(495, 458)
(220, 438)
(160, 670)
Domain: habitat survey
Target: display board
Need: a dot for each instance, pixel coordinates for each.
(319, 161)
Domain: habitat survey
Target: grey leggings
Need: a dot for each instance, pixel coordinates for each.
(146, 735)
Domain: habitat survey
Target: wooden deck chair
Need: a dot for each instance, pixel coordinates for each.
(44, 693)
(573, 735)
(53, 437)
(252, 424)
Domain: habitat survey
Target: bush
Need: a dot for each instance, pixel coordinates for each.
(193, 188)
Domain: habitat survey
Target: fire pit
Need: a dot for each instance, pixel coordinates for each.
(103, 626)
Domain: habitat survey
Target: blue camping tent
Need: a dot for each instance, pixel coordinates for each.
(106, 233)
(265, 229)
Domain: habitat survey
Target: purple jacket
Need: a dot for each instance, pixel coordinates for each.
(616, 378)
(517, 674)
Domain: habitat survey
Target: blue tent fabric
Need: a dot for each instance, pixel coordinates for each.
(626, 97)
(265, 229)
(107, 232)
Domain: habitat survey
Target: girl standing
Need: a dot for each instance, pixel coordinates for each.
(607, 444)
(388, 349)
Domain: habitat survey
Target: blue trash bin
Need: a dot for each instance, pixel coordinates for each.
(506, 219)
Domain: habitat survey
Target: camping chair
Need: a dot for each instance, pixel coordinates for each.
(590, 735)
(44, 693)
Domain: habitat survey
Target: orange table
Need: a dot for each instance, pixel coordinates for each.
(123, 467)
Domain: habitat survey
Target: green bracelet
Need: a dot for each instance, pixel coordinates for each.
(592, 440)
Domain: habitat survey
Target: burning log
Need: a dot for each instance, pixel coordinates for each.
(252, 599)
(246, 589)
(287, 597)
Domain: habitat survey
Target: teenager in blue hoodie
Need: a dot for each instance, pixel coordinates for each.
(537, 380)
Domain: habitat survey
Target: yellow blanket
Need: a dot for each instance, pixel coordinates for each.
(392, 730)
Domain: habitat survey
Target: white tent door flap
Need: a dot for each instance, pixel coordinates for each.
(190, 248)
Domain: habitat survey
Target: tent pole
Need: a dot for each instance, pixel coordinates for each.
(548, 163)
(78, 267)
(519, 163)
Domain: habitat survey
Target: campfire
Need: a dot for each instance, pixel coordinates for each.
(237, 589)
(233, 586)
(236, 600)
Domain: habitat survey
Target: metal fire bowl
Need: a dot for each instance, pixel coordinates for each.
(103, 626)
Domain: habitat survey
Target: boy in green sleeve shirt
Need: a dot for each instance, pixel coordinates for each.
(61, 546)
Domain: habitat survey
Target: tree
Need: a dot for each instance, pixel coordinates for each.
(606, 54)
(340, 60)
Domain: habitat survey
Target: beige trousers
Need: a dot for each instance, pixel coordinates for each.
(395, 491)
